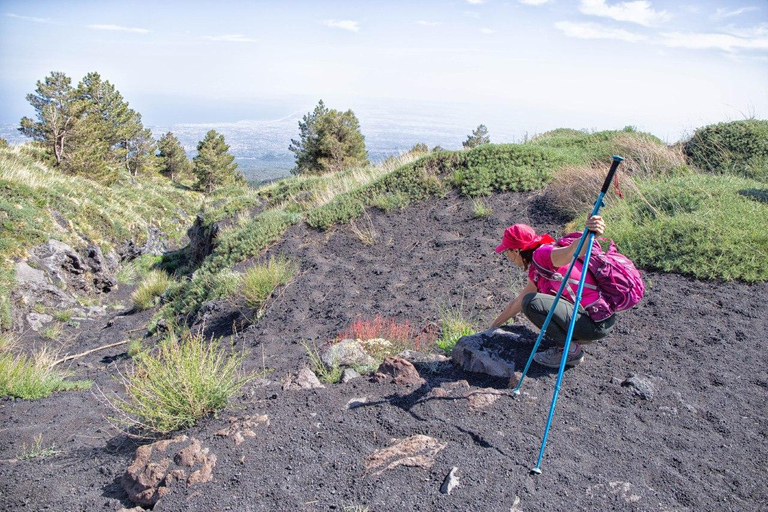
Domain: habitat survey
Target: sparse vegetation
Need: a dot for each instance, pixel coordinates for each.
(384, 337)
(37, 450)
(181, 382)
(331, 374)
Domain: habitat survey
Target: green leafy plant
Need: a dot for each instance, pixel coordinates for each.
(179, 383)
(738, 147)
(63, 315)
(698, 224)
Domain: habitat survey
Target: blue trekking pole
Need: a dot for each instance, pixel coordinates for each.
(585, 236)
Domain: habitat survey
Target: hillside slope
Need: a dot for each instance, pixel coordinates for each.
(697, 443)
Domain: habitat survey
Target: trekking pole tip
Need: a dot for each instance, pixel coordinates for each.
(515, 392)
(536, 470)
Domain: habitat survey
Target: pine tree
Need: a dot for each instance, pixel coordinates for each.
(213, 165)
(329, 140)
(173, 160)
(58, 113)
(478, 137)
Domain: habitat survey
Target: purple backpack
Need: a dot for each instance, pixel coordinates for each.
(618, 281)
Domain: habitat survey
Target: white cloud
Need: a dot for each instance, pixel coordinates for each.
(232, 38)
(119, 28)
(472, 14)
(429, 23)
(352, 26)
(487, 30)
(31, 18)
(712, 41)
(534, 2)
(730, 13)
(475, 2)
(596, 31)
(638, 11)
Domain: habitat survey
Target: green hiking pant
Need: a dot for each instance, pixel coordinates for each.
(536, 307)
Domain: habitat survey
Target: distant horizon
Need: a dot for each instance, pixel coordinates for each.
(518, 66)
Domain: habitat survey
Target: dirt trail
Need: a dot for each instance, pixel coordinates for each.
(699, 443)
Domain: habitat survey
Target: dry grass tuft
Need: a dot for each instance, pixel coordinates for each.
(573, 190)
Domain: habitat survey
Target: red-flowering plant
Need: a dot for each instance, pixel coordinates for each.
(384, 337)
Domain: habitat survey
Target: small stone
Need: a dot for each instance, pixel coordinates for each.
(451, 481)
(402, 371)
(306, 379)
(357, 402)
(348, 375)
(642, 387)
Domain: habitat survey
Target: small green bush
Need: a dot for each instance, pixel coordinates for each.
(738, 147)
(154, 284)
(706, 226)
(22, 377)
(185, 380)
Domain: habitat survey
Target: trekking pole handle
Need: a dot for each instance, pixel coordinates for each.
(615, 165)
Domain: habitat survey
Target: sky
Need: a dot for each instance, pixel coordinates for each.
(663, 66)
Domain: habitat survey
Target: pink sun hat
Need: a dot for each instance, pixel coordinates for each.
(523, 237)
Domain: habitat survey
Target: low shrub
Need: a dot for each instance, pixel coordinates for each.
(706, 226)
(738, 147)
(31, 379)
(154, 284)
(179, 383)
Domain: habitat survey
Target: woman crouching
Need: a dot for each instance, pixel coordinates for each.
(540, 256)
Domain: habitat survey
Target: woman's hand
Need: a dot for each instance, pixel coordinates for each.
(596, 224)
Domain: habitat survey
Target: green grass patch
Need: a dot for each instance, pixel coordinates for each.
(706, 226)
(154, 284)
(181, 382)
(453, 326)
(22, 377)
(480, 210)
(259, 281)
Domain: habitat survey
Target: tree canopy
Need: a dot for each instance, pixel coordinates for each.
(478, 137)
(89, 129)
(213, 165)
(329, 140)
(173, 159)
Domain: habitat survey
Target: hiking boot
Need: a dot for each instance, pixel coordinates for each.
(551, 357)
